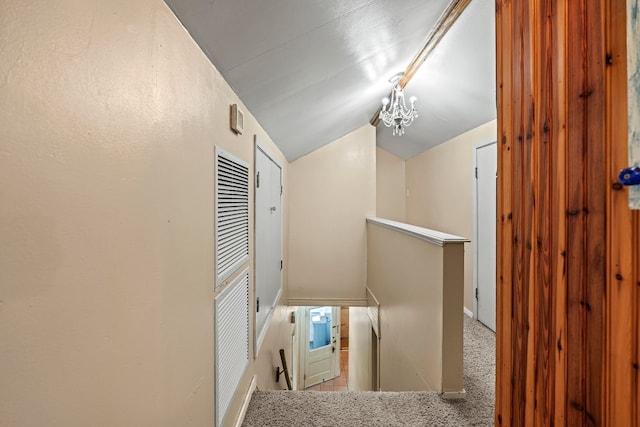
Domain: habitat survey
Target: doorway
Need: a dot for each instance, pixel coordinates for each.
(353, 358)
(484, 259)
(340, 382)
(321, 345)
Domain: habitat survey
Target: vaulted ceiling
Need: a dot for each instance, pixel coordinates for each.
(313, 71)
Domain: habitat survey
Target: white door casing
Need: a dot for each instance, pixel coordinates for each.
(486, 162)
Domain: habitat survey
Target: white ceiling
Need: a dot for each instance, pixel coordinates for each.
(313, 71)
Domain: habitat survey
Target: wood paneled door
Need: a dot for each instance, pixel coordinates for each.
(568, 272)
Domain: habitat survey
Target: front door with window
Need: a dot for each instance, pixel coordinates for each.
(322, 344)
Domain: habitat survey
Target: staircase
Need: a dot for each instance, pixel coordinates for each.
(352, 409)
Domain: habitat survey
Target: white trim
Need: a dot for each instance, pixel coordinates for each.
(300, 349)
(267, 152)
(454, 395)
(432, 236)
(373, 311)
(246, 401)
(267, 322)
(323, 302)
(468, 312)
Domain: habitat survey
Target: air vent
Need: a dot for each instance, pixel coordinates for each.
(232, 341)
(232, 215)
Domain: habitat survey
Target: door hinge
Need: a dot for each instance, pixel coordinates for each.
(258, 180)
(258, 305)
(476, 293)
(476, 173)
(281, 189)
(280, 264)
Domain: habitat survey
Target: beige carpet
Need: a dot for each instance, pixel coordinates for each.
(312, 408)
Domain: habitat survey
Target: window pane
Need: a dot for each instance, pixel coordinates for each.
(319, 327)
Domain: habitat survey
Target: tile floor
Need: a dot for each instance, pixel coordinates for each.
(340, 383)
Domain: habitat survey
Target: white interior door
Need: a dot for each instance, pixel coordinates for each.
(485, 244)
(268, 236)
(322, 344)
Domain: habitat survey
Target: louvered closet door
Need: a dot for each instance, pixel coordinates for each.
(268, 218)
(232, 341)
(232, 215)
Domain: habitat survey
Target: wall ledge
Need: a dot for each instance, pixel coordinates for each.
(334, 302)
(432, 236)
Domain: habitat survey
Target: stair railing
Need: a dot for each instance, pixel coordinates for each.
(284, 370)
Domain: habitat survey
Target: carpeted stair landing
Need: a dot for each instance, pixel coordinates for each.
(372, 409)
(390, 409)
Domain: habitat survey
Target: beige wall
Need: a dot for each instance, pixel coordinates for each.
(359, 349)
(440, 191)
(419, 287)
(332, 191)
(390, 186)
(109, 114)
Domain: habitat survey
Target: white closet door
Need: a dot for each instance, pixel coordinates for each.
(487, 163)
(232, 341)
(268, 226)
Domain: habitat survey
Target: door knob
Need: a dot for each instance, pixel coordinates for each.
(630, 176)
(272, 208)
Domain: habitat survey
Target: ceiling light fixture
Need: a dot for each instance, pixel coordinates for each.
(394, 110)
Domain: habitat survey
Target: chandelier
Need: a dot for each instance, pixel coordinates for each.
(394, 111)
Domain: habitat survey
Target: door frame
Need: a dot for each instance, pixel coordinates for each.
(474, 288)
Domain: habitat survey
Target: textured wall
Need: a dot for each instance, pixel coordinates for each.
(332, 192)
(419, 286)
(440, 191)
(109, 113)
(390, 186)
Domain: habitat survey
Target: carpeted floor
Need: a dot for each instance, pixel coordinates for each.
(372, 409)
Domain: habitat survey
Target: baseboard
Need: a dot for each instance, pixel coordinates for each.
(245, 402)
(454, 395)
(468, 312)
(335, 302)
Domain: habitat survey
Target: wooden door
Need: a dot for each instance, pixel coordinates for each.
(568, 246)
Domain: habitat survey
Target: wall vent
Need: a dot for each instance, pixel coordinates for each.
(232, 341)
(231, 215)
